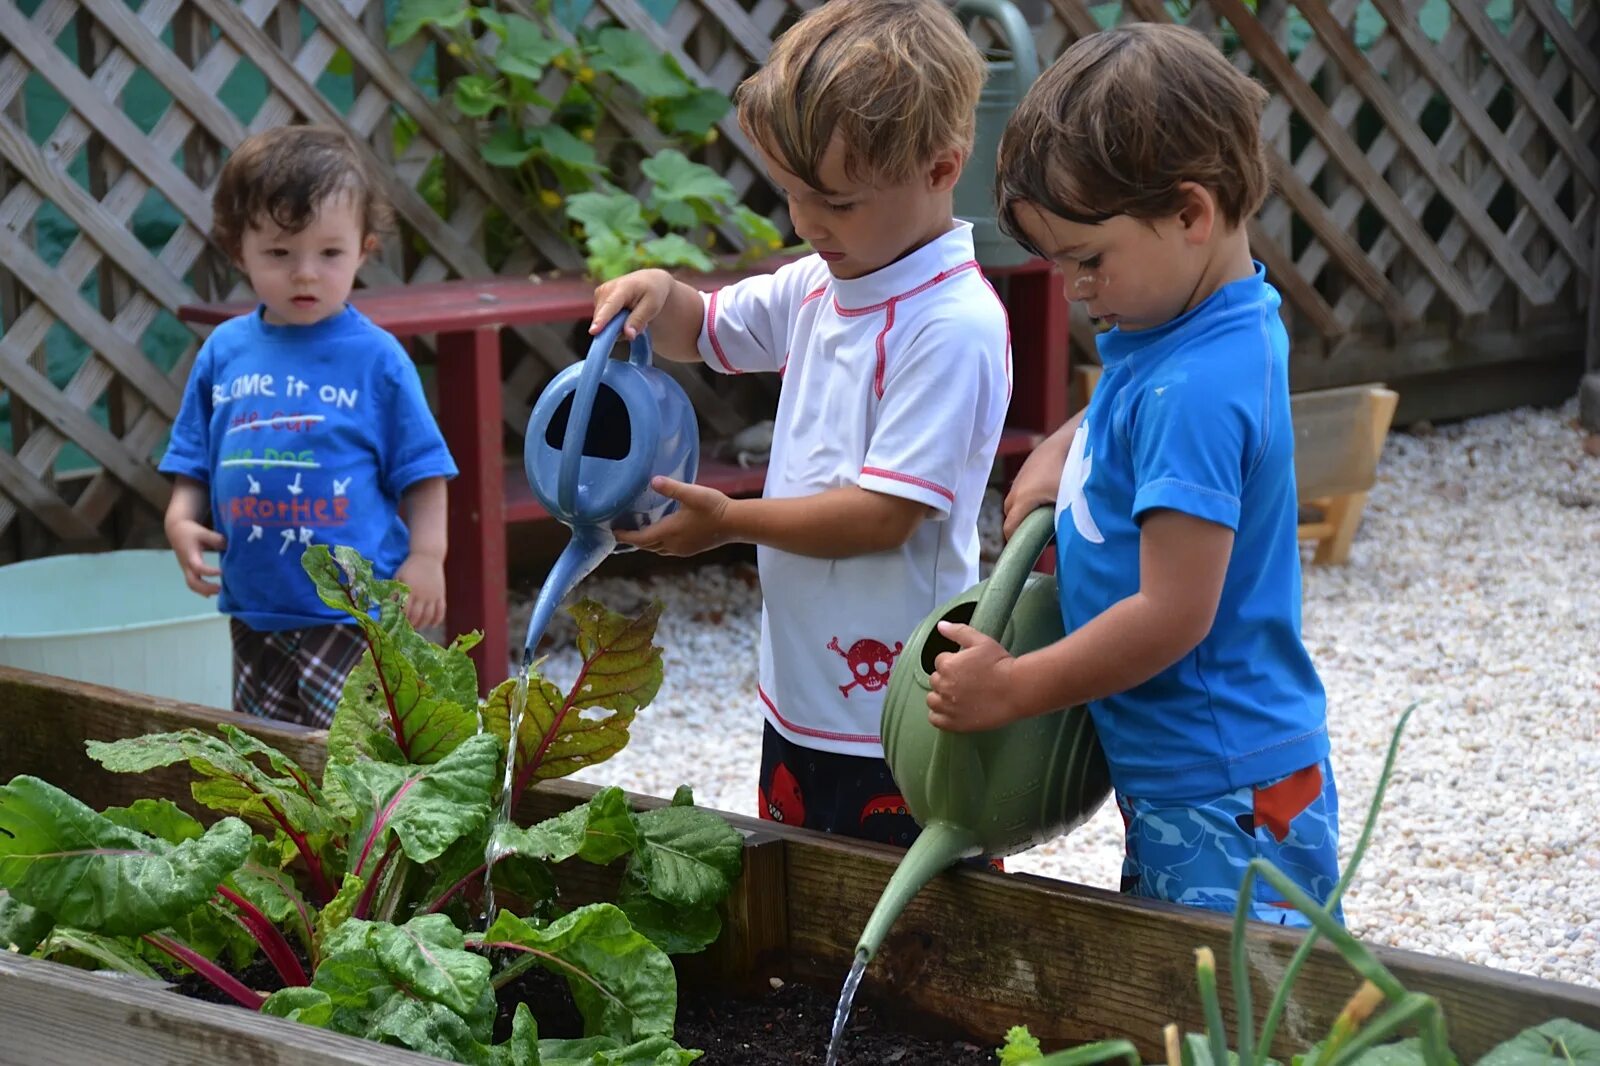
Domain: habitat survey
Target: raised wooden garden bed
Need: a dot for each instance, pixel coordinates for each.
(981, 951)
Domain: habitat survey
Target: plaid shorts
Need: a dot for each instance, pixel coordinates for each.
(293, 675)
(1195, 852)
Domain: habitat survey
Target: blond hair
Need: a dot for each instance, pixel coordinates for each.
(1125, 116)
(896, 80)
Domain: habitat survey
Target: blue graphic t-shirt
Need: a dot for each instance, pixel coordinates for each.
(1193, 416)
(305, 435)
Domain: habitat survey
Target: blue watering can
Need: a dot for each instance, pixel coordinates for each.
(598, 433)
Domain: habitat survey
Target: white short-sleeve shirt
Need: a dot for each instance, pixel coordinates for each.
(897, 382)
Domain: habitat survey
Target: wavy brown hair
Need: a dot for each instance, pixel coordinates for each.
(897, 80)
(284, 175)
(1125, 116)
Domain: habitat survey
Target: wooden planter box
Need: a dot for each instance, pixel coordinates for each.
(976, 952)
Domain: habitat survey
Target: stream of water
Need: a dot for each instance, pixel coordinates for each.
(847, 996)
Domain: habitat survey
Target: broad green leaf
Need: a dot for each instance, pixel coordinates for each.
(694, 113)
(674, 250)
(333, 916)
(1555, 1043)
(677, 214)
(682, 796)
(676, 177)
(412, 984)
(609, 256)
(630, 57)
(564, 148)
(356, 985)
(621, 672)
(602, 1051)
(212, 930)
(272, 890)
(101, 952)
(228, 780)
(406, 694)
(688, 856)
(427, 807)
(609, 212)
(428, 1028)
(674, 929)
(412, 15)
(624, 985)
(525, 49)
(599, 831)
(160, 818)
(507, 147)
(21, 926)
(528, 879)
(758, 230)
(427, 957)
(61, 857)
(522, 1049)
(476, 96)
(494, 20)
(306, 1005)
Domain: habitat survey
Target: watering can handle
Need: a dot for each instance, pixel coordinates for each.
(1018, 37)
(594, 368)
(1004, 587)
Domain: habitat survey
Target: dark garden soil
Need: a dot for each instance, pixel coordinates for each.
(788, 1026)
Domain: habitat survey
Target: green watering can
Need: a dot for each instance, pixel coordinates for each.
(997, 792)
(1002, 91)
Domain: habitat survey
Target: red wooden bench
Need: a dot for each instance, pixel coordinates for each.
(467, 315)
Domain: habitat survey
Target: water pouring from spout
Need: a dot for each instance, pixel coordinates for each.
(599, 432)
(997, 792)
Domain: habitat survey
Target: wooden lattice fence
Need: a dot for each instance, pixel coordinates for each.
(1436, 199)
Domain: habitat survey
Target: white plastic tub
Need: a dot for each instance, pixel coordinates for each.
(122, 618)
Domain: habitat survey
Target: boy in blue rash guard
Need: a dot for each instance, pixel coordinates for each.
(1134, 164)
(302, 423)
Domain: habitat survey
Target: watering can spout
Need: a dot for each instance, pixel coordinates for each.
(939, 845)
(586, 550)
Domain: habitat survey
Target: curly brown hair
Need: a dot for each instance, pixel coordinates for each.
(896, 80)
(1124, 117)
(283, 176)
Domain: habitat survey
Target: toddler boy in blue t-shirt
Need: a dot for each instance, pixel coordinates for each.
(1133, 163)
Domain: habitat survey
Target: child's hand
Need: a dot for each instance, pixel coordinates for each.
(971, 689)
(645, 291)
(696, 526)
(189, 539)
(425, 576)
(1035, 486)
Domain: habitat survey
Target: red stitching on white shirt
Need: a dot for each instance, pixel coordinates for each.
(711, 333)
(879, 375)
(910, 479)
(854, 738)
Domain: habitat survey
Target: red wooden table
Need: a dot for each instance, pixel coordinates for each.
(467, 316)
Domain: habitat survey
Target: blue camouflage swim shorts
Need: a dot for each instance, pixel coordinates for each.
(1195, 853)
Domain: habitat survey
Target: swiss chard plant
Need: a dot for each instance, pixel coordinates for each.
(365, 889)
(552, 148)
(1366, 1030)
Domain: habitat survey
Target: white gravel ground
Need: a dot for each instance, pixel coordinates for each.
(1474, 588)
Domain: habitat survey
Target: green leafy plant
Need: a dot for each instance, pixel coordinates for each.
(364, 890)
(1359, 1032)
(551, 147)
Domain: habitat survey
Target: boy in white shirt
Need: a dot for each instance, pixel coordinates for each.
(895, 357)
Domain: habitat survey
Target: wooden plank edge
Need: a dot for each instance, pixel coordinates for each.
(56, 1015)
